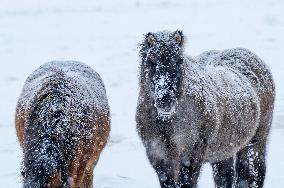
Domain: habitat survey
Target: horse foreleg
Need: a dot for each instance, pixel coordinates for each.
(161, 161)
(87, 181)
(223, 173)
(188, 176)
(190, 165)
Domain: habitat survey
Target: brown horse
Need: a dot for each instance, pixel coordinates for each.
(62, 124)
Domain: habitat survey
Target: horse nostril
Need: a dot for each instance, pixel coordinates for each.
(167, 108)
(166, 99)
(167, 103)
(163, 105)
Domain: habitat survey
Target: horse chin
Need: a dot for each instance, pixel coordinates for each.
(164, 114)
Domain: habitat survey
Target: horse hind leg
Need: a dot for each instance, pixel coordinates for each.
(250, 166)
(223, 173)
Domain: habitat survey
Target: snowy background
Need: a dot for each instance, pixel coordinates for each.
(104, 34)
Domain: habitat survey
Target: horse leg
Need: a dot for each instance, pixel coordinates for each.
(161, 160)
(251, 166)
(190, 166)
(166, 179)
(189, 175)
(87, 181)
(223, 173)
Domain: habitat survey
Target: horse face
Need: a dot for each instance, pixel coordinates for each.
(163, 64)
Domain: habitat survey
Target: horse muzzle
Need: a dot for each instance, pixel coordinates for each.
(165, 109)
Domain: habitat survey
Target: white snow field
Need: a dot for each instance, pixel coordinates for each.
(105, 34)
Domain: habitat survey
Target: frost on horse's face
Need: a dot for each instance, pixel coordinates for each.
(163, 62)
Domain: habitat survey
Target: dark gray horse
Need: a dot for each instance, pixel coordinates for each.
(216, 108)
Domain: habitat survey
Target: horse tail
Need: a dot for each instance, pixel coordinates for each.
(45, 153)
(44, 160)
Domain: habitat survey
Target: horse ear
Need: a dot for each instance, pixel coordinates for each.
(150, 40)
(178, 37)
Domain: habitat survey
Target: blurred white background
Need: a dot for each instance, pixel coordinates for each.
(105, 35)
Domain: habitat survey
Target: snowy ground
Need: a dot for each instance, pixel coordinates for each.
(105, 34)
